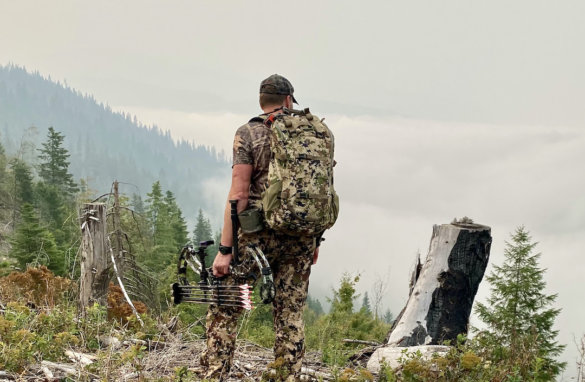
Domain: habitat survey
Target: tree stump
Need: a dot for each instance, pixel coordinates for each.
(443, 288)
(95, 274)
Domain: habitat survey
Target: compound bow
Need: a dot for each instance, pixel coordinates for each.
(214, 290)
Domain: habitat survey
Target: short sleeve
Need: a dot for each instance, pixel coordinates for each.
(243, 146)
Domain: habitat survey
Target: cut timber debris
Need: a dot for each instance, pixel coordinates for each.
(81, 358)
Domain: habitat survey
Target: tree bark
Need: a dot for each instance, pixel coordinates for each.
(119, 248)
(440, 303)
(95, 274)
(442, 290)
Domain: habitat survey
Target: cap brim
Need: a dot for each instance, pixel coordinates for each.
(294, 100)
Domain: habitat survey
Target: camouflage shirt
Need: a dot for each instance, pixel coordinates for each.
(252, 146)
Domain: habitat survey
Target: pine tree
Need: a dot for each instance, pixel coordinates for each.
(178, 224)
(213, 249)
(138, 204)
(57, 211)
(315, 305)
(366, 304)
(23, 182)
(2, 161)
(4, 194)
(33, 244)
(327, 331)
(388, 317)
(167, 227)
(54, 167)
(342, 301)
(202, 231)
(54, 193)
(518, 313)
(158, 215)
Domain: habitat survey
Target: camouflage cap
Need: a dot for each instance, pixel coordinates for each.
(277, 84)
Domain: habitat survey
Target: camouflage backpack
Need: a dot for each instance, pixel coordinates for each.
(300, 198)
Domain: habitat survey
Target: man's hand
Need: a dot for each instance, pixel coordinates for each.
(315, 255)
(221, 264)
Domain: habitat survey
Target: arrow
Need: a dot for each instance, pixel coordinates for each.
(216, 297)
(244, 286)
(236, 304)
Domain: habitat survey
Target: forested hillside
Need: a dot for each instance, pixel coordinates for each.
(104, 145)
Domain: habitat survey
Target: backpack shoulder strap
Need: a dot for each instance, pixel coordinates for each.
(260, 118)
(263, 118)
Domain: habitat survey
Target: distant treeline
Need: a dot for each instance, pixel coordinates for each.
(104, 145)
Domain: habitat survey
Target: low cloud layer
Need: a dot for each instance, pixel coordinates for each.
(398, 177)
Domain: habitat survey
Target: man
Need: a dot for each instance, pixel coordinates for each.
(290, 257)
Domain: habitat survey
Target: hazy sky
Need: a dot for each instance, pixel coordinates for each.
(440, 109)
(473, 61)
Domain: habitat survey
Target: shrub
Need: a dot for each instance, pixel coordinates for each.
(118, 307)
(27, 335)
(38, 286)
(326, 333)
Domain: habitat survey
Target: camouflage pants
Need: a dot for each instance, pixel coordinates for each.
(290, 259)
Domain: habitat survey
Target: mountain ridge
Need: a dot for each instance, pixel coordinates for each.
(104, 144)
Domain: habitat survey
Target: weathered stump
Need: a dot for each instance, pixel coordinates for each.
(443, 289)
(95, 274)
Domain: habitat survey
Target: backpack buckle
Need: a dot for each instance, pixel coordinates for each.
(304, 195)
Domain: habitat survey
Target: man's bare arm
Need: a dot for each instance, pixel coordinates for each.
(239, 190)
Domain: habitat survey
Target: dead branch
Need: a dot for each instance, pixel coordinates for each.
(369, 343)
(122, 285)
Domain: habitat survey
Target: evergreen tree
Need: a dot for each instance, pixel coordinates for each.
(167, 227)
(366, 304)
(388, 317)
(202, 231)
(4, 194)
(159, 220)
(33, 244)
(217, 237)
(138, 204)
(2, 162)
(315, 305)
(135, 225)
(158, 215)
(518, 313)
(213, 249)
(54, 167)
(327, 331)
(54, 209)
(23, 182)
(342, 302)
(54, 194)
(178, 224)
